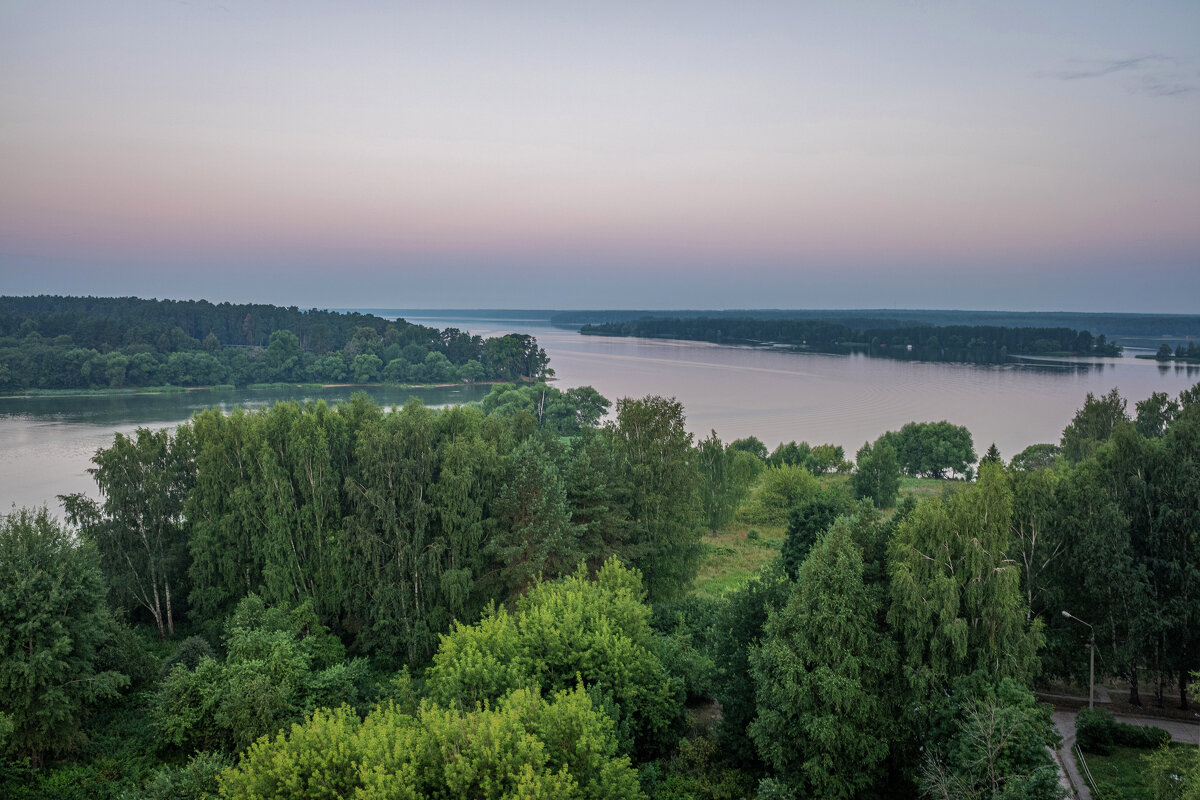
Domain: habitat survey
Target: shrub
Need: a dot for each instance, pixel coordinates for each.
(1094, 730)
(1097, 731)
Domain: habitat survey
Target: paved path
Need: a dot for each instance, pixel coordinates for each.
(1064, 721)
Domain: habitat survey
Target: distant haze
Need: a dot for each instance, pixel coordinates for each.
(1023, 155)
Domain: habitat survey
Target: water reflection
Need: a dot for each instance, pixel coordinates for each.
(46, 442)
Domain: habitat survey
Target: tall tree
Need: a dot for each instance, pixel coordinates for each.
(1093, 425)
(1100, 573)
(663, 478)
(956, 596)
(725, 478)
(877, 474)
(534, 536)
(53, 622)
(1036, 542)
(737, 632)
(821, 676)
(139, 527)
(1154, 414)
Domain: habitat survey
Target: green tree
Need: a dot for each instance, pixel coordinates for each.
(1155, 414)
(1100, 572)
(780, 489)
(808, 522)
(1092, 425)
(365, 367)
(574, 629)
(956, 598)
(826, 458)
(725, 478)
(281, 663)
(752, 445)
(932, 449)
(995, 746)
(535, 537)
(53, 622)
(139, 527)
(821, 674)
(738, 629)
(791, 454)
(283, 354)
(663, 478)
(1036, 542)
(1036, 456)
(524, 747)
(876, 474)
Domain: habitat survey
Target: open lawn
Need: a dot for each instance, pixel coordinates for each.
(734, 554)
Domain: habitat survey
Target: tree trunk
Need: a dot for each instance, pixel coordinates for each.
(1183, 690)
(170, 616)
(1135, 699)
(1159, 679)
(158, 614)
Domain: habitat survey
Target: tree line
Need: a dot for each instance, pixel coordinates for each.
(89, 343)
(987, 344)
(494, 601)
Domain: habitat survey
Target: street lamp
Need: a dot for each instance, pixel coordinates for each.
(1092, 676)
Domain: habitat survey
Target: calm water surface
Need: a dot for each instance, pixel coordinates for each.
(46, 444)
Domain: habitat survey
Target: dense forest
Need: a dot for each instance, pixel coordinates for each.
(1142, 326)
(496, 601)
(91, 343)
(977, 344)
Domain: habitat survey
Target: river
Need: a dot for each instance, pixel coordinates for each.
(46, 443)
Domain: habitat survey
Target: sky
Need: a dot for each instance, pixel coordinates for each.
(1015, 155)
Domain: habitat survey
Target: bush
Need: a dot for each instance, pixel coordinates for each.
(1097, 731)
(1144, 737)
(1094, 730)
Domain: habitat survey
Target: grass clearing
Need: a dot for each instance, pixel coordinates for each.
(925, 487)
(1125, 772)
(734, 554)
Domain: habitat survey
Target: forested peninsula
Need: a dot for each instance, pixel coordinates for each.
(980, 344)
(530, 597)
(64, 343)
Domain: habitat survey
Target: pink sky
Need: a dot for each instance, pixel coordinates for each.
(692, 154)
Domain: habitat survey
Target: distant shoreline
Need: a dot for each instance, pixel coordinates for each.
(153, 390)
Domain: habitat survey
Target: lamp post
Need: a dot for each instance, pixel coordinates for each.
(1092, 676)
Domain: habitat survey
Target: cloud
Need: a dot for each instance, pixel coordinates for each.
(1097, 69)
(1151, 75)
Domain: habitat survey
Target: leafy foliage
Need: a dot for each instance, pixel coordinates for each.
(53, 622)
(821, 675)
(139, 528)
(524, 746)
(575, 629)
(876, 474)
(994, 746)
(932, 449)
(956, 602)
(1093, 425)
(281, 663)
